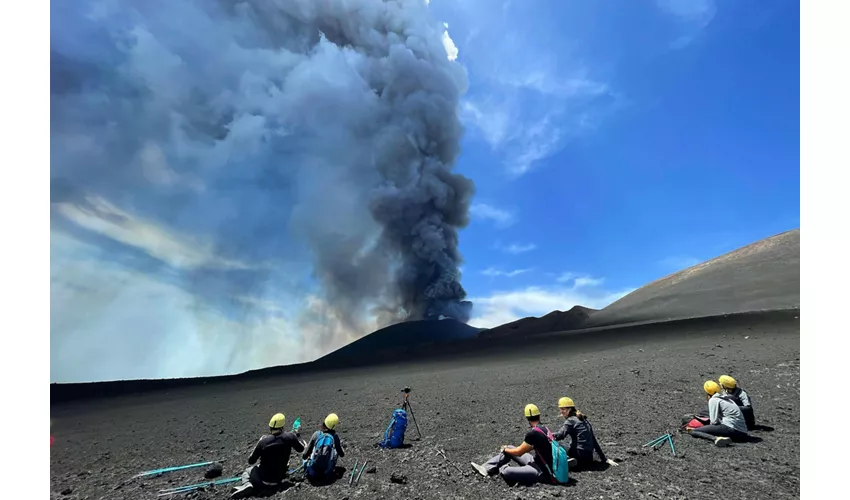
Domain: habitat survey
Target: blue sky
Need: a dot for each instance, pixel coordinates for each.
(679, 141)
(611, 143)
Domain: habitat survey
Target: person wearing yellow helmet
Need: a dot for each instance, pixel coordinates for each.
(725, 421)
(742, 399)
(323, 450)
(272, 451)
(582, 438)
(531, 457)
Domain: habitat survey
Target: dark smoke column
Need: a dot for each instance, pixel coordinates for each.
(423, 203)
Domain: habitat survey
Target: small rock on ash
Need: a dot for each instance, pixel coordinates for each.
(213, 471)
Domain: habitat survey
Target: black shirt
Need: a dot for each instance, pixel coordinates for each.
(273, 453)
(542, 447)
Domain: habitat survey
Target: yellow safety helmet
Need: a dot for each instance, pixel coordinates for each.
(531, 410)
(277, 422)
(566, 402)
(711, 387)
(331, 421)
(727, 382)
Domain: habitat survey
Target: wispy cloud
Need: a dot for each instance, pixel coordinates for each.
(587, 281)
(102, 217)
(679, 262)
(579, 280)
(505, 306)
(691, 16)
(107, 308)
(518, 248)
(493, 272)
(501, 217)
(525, 108)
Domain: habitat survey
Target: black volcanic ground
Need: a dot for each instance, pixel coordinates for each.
(634, 386)
(634, 382)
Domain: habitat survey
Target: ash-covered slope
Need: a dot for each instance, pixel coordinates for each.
(555, 321)
(396, 338)
(764, 275)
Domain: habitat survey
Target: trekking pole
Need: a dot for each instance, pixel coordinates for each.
(351, 476)
(170, 469)
(357, 481)
(192, 487)
(442, 453)
(655, 441)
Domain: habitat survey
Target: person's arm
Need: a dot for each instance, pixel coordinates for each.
(517, 451)
(714, 411)
(338, 444)
(745, 398)
(255, 455)
(309, 448)
(564, 431)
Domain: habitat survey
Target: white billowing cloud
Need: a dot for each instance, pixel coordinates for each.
(517, 248)
(102, 316)
(505, 306)
(679, 262)
(493, 272)
(449, 44)
(100, 216)
(501, 217)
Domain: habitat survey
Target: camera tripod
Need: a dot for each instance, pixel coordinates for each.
(405, 405)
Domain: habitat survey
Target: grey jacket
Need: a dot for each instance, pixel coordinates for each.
(725, 412)
(582, 439)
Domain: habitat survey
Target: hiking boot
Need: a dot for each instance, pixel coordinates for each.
(243, 491)
(572, 462)
(480, 468)
(722, 441)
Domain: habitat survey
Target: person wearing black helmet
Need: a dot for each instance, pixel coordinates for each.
(533, 456)
(272, 451)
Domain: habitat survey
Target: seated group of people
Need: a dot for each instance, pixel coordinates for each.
(274, 450)
(728, 418)
(533, 458)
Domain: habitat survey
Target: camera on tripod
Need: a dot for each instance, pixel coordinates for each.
(405, 405)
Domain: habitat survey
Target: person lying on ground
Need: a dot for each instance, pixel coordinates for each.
(273, 451)
(582, 438)
(533, 457)
(741, 398)
(322, 452)
(725, 421)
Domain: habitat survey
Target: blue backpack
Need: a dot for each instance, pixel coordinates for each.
(394, 435)
(560, 468)
(323, 459)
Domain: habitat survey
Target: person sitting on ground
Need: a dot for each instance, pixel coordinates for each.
(273, 451)
(324, 448)
(741, 398)
(582, 439)
(725, 421)
(533, 468)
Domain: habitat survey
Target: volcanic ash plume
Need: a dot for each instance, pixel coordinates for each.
(329, 124)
